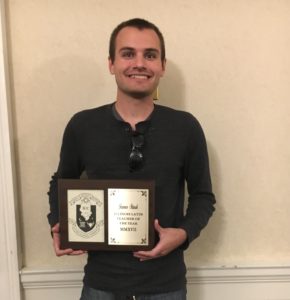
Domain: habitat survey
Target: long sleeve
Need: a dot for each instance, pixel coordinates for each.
(201, 199)
(70, 166)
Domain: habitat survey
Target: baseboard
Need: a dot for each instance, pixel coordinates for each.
(247, 283)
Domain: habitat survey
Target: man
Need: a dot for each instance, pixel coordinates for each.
(133, 138)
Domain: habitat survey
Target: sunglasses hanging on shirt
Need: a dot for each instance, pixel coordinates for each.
(136, 158)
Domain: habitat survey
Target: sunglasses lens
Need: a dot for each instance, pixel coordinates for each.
(136, 156)
(138, 141)
(135, 159)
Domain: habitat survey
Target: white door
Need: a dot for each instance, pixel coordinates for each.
(9, 269)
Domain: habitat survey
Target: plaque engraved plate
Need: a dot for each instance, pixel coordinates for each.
(128, 216)
(106, 214)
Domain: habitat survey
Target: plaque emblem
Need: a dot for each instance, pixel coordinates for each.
(86, 222)
(86, 216)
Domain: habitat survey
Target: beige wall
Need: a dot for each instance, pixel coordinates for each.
(228, 64)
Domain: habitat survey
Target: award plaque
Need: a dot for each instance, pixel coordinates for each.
(106, 214)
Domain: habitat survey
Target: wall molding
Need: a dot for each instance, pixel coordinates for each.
(39, 278)
(50, 278)
(239, 283)
(238, 275)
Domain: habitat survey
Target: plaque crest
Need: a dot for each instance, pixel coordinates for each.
(86, 212)
(86, 216)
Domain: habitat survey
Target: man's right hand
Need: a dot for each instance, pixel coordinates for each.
(56, 244)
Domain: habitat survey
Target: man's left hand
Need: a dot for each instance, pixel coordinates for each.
(169, 239)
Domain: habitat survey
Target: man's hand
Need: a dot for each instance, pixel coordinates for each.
(56, 244)
(169, 239)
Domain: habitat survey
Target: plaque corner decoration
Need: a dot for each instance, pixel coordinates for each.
(106, 214)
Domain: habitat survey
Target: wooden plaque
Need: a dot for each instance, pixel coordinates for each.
(106, 214)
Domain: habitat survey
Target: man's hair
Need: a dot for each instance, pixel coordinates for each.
(139, 24)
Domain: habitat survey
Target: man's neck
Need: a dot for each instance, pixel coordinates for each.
(133, 110)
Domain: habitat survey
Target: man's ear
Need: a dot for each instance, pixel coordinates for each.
(111, 65)
(164, 64)
(163, 67)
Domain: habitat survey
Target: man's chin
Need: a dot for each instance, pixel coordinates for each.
(139, 94)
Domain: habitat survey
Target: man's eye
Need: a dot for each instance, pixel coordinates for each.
(150, 55)
(128, 54)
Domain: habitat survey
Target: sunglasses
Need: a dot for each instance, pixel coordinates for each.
(136, 156)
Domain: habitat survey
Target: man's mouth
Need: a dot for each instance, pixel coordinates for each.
(139, 76)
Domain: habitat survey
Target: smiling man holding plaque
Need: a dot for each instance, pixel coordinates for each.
(134, 139)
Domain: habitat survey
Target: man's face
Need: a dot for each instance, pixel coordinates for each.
(137, 66)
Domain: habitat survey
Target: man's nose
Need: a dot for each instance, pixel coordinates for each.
(139, 61)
